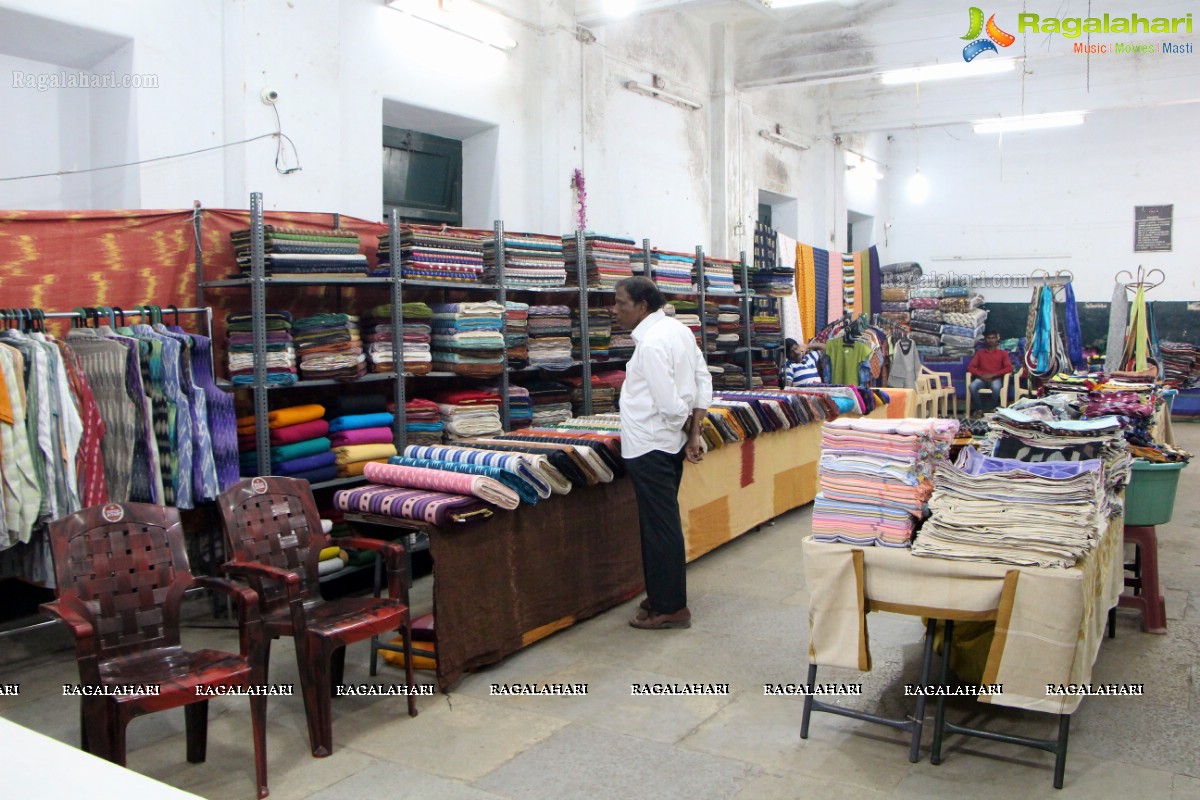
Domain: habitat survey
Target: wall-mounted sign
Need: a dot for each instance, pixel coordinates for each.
(1152, 229)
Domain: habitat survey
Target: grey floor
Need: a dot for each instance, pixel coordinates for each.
(749, 604)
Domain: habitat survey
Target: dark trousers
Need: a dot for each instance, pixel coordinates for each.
(656, 476)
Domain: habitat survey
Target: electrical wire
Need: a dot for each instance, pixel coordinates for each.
(277, 135)
(281, 137)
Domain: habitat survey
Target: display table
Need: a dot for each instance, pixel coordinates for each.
(1049, 622)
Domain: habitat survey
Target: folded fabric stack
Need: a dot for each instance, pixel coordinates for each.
(551, 402)
(729, 327)
(776, 281)
(415, 332)
(468, 413)
(596, 423)
(587, 458)
(606, 259)
(672, 272)
(303, 251)
(281, 349)
(331, 560)
(329, 346)
(894, 303)
(766, 331)
(1007, 511)
(520, 407)
(516, 333)
(468, 338)
(423, 422)
(900, 274)
(550, 337)
(300, 445)
(530, 259)
(948, 319)
(485, 488)
(527, 473)
(875, 478)
(603, 395)
(552, 466)
(436, 508)
(599, 333)
(437, 253)
(359, 439)
(719, 276)
(614, 379)
(731, 375)
(1181, 364)
(765, 372)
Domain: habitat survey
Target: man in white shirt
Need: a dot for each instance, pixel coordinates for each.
(664, 399)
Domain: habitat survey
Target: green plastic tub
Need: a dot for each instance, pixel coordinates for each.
(1150, 496)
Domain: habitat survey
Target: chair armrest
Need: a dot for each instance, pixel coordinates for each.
(394, 557)
(80, 627)
(245, 598)
(246, 569)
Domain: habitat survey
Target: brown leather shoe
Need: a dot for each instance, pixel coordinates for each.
(656, 622)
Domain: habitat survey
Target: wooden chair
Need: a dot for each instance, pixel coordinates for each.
(273, 537)
(122, 570)
(939, 385)
(1000, 402)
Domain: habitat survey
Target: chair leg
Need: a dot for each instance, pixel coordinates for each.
(314, 688)
(258, 723)
(337, 670)
(116, 732)
(196, 725)
(406, 632)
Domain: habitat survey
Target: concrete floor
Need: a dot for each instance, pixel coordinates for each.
(750, 627)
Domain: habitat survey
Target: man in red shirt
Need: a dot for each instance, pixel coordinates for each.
(989, 366)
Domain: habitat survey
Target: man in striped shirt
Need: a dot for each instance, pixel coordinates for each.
(802, 367)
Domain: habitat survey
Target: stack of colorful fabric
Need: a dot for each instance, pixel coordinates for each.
(468, 413)
(672, 271)
(483, 487)
(300, 446)
(550, 337)
(329, 346)
(614, 378)
(720, 276)
(281, 349)
(875, 478)
(605, 258)
(529, 470)
(777, 281)
(603, 395)
(1006, 511)
(331, 560)
(520, 407)
(530, 259)
(729, 327)
(303, 251)
(766, 331)
(926, 320)
(599, 333)
(962, 320)
(415, 332)
(468, 338)
(765, 372)
(894, 306)
(621, 345)
(437, 253)
(359, 439)
(516, 333)
(436, 508)
(422, 422)
(1181, 364)
(551, 402)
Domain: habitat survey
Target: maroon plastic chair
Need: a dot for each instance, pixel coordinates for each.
(273, 539)
(122, 570)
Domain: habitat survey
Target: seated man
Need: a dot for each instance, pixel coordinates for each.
(988, 367)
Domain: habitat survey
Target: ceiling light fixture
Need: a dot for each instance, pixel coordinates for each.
(659, 93)
(938, 72)
(1030, 122)
(777, 135)
(918, 187)
(465, 19)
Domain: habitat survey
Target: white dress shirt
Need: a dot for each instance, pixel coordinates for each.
(664, 381)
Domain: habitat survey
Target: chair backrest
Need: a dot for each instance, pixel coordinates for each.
(274, 521)
(125, 567)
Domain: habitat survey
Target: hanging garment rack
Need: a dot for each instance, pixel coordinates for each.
(1145, 280)
(36, 317)
(1056, 281)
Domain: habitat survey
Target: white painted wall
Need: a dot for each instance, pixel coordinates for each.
(1066, 192)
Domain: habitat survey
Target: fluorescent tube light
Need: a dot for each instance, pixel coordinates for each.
(462, 18)
(778, 137)
(662, 94)
(938, 72)
(1030, 122)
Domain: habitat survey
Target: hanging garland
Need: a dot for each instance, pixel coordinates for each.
(580, 188)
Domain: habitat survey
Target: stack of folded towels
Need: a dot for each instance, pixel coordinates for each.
(329, 347)
(550, 337)
(875, 478)
(300, 446)
(281, 350)
(468, 413)
(415, 333)
(468, 338)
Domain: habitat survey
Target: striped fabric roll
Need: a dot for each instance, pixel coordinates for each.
(484, 488)
(436, 508)
(515, 482)
(515, 463)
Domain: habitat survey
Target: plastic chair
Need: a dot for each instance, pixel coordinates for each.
(1020, 385)
(1147, 594)
(122, 570)
(1000, 403)
(273, 535)
(941, 387)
